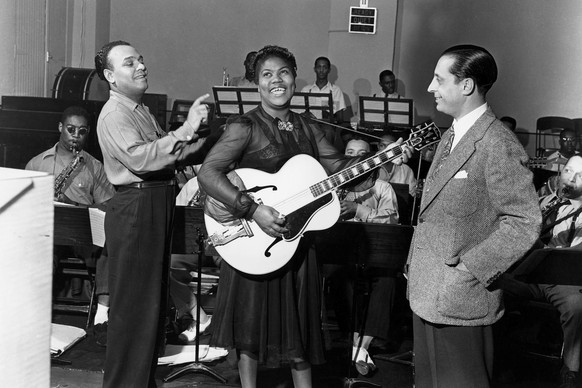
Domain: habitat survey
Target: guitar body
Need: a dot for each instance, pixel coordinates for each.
(284, 190)
(303, 193)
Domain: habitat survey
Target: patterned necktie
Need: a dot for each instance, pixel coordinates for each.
(445, 154)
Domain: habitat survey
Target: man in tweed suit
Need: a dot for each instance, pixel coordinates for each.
(479, 214)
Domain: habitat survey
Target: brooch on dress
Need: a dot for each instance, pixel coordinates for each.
(285, 126)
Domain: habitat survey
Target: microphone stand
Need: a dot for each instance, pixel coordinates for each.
(196, 366)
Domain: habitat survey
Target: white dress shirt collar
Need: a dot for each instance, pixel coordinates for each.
(462, 125)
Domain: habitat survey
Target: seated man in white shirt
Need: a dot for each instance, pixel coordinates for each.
(396, 174)
(387, 81)
(565, 232)
(322, 85)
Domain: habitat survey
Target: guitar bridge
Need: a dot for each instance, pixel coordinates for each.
(231, 233)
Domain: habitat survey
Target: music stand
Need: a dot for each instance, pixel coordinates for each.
(232, 100)
(385, 113)
(551, 266)
(319, 105)
(196, 366)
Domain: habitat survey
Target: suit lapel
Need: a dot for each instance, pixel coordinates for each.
(458, 157)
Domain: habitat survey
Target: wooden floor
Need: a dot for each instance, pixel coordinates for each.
(87, 360)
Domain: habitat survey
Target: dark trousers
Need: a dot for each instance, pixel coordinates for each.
(452, 356)
(374, 310)
(138, 227)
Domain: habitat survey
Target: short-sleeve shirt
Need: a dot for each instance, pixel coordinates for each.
(89, 183)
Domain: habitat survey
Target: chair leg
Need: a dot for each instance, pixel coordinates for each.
(91, 302)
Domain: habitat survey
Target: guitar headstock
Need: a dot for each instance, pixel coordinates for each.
(423, 135)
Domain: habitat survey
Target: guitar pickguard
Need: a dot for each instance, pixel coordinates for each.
(297, 220)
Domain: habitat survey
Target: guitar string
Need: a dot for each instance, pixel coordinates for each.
(321, 188)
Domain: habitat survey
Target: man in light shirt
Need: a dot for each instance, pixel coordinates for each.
(322, 85)
(387, 81)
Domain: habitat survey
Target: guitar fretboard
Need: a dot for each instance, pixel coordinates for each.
(344, 176)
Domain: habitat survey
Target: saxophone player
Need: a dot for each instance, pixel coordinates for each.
(80, 180)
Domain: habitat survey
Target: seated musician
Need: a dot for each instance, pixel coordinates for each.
(368, 200)
(396, 174)
(564, 231)
(556, 160)
(247, 80)
(387, 81)
(79, 179)
(322, 68)
(184, 299)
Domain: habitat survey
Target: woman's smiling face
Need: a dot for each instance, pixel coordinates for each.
(276, 84)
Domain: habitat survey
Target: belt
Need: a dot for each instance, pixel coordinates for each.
(150, 184)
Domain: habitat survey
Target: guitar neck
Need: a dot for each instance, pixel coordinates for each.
(358, 169)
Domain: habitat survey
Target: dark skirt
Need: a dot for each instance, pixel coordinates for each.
(276, 316)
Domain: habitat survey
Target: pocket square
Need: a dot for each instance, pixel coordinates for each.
(461, 175)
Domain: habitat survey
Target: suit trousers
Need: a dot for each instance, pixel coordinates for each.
(138, 229)
(452, 356)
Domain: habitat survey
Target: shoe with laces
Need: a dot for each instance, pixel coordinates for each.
(189, 334)
(362, 360)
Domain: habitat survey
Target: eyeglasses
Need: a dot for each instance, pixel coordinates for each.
(82, 130)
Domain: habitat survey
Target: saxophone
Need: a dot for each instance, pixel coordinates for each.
(558, 200)
(61, 180)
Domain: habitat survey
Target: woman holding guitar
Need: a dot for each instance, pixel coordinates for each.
(271, 319)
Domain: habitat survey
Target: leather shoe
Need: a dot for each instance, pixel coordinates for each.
(100, 333)
(363, 361)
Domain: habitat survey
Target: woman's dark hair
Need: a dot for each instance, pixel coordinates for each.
(274, 51)
(102, 60)
(473, 62)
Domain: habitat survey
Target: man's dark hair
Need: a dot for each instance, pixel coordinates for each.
(102, 60)
(386, 73)
(76, 110)
(274, 51)
(473, 62)
(322, 59)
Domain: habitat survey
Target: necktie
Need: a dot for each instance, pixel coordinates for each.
(445, 154)
(572, 231)
(549, 217)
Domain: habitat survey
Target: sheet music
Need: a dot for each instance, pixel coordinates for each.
(64, 336)
(63, 204)
(182, 354)
(97, 220)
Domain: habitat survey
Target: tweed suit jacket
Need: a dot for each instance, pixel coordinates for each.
(482, 210)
